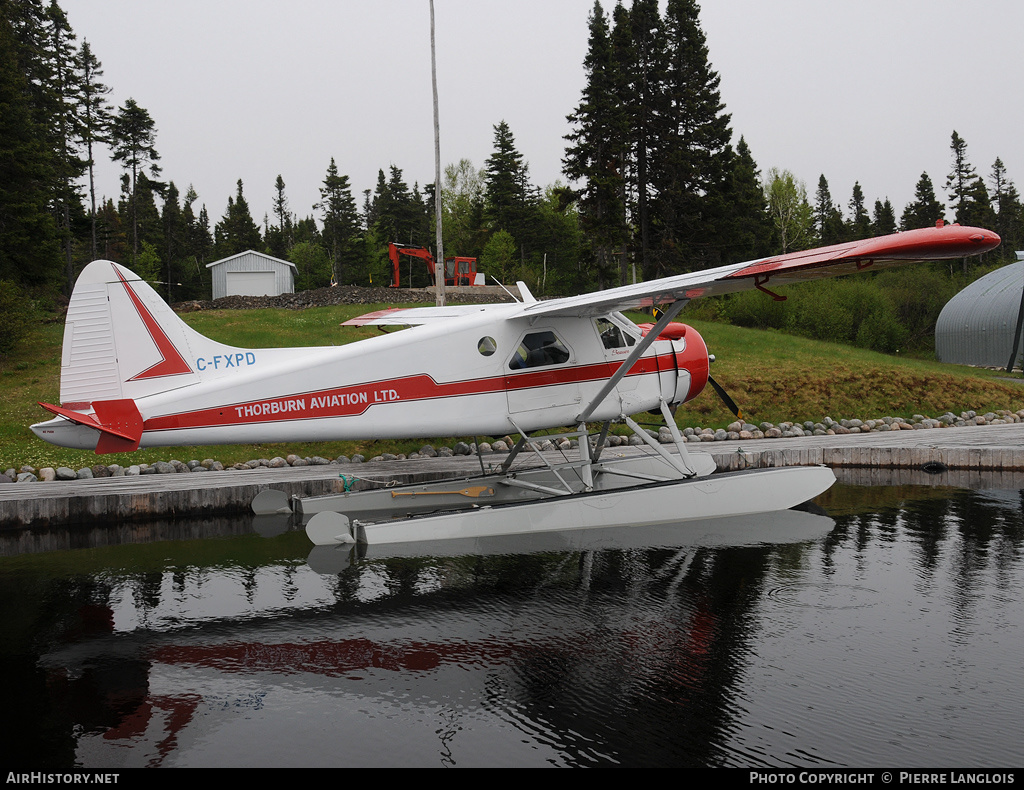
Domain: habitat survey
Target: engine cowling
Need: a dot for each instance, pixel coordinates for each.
(692, 363)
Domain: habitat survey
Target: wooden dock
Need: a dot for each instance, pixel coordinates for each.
(978, 456)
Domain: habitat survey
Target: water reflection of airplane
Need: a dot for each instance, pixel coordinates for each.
(134, 375)
(158, 680)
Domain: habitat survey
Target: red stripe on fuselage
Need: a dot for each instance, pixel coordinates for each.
(356, 399)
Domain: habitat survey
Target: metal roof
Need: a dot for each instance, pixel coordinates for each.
(977, 326)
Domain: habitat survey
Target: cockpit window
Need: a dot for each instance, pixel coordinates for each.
(538, 349)
(612, 335)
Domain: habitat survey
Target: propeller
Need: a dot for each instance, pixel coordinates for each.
(729, 402)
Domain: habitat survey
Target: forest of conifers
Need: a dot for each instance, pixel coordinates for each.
(656, 185)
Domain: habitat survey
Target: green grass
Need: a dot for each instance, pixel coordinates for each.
(772, 376)
(775, 377)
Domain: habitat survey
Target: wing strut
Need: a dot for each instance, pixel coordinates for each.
(645, 342)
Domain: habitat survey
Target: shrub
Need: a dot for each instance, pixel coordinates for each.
(16, 315)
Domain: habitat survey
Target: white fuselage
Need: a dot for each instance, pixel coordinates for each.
(478, 376)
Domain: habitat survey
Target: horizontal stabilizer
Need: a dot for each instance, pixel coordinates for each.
(118, 421)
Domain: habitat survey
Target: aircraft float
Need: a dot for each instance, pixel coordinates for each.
(134, 375)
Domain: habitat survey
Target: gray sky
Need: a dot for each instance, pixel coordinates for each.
(869, 90)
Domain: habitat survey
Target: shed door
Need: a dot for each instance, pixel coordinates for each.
(251, 284)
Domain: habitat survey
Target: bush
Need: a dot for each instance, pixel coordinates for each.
(754, 310)
(16, 315)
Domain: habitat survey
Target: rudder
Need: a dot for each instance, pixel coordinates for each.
(121, 340)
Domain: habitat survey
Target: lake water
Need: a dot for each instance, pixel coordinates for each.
(887, 633)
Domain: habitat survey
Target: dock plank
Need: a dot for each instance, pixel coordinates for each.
(996, 452)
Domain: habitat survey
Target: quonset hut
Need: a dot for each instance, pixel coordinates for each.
(979, 324)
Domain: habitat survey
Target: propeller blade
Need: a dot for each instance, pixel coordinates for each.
(729, 402)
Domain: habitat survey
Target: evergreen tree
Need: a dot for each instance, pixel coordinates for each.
(860, 221)
(978, 210)
(65, 127)
(196, 246)
(595, 153)
(132, 136)
(30, 26)
(198, 238)
(747, 231)
(396, 214)
(236, 232)
(884, 220)
(279, 237)
(828, 218)
(689, 173)
(1009, 222)
(645, 78)
(622, 59)
(112, 238)
(961, 180)
(506, 195)
(95, 119)
(340, 221)
(28, 250)
(149, 224)
(174, 240)
(925, 210)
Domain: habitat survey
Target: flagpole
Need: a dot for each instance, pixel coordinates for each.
(439, 261)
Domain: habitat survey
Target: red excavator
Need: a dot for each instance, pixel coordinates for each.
(457, 271)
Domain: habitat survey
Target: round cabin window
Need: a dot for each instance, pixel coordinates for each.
(487, 346)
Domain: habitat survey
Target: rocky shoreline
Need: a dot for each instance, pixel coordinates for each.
(734, 432)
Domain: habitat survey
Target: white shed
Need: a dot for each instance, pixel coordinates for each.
(252, 273)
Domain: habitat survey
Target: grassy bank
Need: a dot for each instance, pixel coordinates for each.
(772, 376)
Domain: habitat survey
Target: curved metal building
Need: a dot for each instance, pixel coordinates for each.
(977, 326)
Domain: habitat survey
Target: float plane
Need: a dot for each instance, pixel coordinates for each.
(135, 375)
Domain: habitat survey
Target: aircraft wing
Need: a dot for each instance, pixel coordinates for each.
(926, 244)
(413, 316)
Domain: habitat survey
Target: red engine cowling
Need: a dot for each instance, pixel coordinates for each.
(692, 363)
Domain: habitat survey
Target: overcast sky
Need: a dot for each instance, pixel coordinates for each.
(858, 90)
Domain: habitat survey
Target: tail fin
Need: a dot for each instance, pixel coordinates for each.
(122, 341)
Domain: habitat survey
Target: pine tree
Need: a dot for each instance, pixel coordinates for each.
(95, 118)
(690, 171)
(860, 221)
(133, 135)
(65, 127)
(340, 221)
(28, 251)
(505, 192)
(595, 154)
(622, 59)
(925, 210)
(646, 76)
(174, 240)
(884, 220)
(828, 218)
(236, 232)
(1009, 211)
(961, 180)
(197, 246)
(746, 232)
